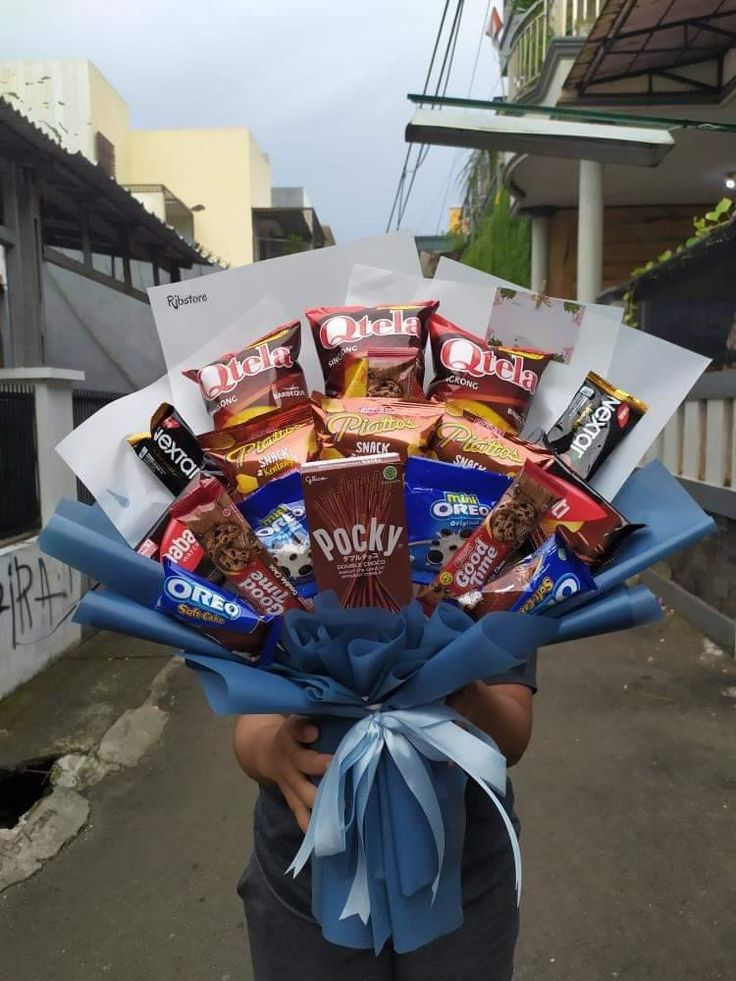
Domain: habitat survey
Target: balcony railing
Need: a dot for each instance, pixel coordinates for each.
(543, 21)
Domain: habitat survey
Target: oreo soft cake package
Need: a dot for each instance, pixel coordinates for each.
(445, 503)
(276, 513)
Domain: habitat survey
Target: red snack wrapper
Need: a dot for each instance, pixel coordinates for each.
(253, 453)
(206, 509)
(259, 378)
(382, 372)
(495, 383)
(365, 426)
(467, 441)
(508, 526)
(357, 527)
(339, 331)
(589, 524)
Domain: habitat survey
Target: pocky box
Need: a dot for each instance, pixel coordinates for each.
(339, 331)
(357, 525)
(259, 378)
(495, 383)
(444, 506)
(276, 513)
(230, 543)
(508, 526)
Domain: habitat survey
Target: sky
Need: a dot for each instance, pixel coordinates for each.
(321, 84)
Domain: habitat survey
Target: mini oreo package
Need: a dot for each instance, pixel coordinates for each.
(445, 503)
(222, 615)
(276, 513)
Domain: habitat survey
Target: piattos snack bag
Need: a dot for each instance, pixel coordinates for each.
(227, 538)
(258, 378)
(253, 453)
(592, 526)
(339, 331)
(467, 441)
(276, 513)
(382, 372)
(170, 450)
(508, 526)
(549, 575)
(203, 605)
(357, 523)
(594, 423)
(495, 383)
(444, 506)
(366, 426)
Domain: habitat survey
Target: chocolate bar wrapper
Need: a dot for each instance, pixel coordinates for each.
(496, 383)
(382, 372)
(276, 513)
(444, 506)
(507, 527)
(348, 427)
(170, 450)
(339, 331)
(170, 539)
(253, 453)
(594, 423)
(549, 575)
(228, 540)
(467, 441)
(259, 378)
(221, 615)
(593, 528)
(357, 525)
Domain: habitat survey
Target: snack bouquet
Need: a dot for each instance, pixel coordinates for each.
(360, 555)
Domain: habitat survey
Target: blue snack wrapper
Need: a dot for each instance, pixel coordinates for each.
(277, 515)
(444, 505)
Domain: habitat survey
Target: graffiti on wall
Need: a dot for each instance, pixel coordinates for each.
(37, 595)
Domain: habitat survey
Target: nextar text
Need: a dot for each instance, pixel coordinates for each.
(182, 301)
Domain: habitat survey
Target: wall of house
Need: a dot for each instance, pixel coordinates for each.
(221, 169)
(632, 236)
(109, 115)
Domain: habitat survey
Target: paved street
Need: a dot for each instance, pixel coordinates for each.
(626, 798)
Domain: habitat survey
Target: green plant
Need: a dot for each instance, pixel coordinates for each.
(502, 243)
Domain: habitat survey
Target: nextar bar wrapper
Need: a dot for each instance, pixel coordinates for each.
(357, 523)
(259, 378)
(591, 525)
(366, 426)
(202, 605)
(382, 372)
(594, 423)
(495, 383)
(276, 513)
(339, 331)
(549, 575)
(253, 453)
(467, 441)
(507, 527)
(227, 538)
(170, 450)
(444, 506)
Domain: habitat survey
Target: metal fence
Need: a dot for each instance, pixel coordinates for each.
(20, 505)
(85, 402)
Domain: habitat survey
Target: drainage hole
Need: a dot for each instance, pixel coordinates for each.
(23, 785)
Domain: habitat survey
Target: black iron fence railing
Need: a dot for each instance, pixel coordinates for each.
(20, 504)
(85, 402)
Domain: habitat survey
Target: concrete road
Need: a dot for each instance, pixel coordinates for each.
(627, 804)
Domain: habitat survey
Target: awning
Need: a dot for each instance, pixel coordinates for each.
(486, 129)
(655, 37)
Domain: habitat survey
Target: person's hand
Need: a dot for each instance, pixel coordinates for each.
(286, 760)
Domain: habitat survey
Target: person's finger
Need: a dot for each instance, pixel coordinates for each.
(297, 808)
(301, 729)
(309, 762)
(302, 788)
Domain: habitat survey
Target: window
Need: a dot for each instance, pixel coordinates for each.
(105, 151)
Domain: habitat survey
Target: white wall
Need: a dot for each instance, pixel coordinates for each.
(37, 594)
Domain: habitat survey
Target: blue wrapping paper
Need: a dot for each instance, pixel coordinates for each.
(377, 681)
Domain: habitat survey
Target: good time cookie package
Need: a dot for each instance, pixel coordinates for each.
(331, 519)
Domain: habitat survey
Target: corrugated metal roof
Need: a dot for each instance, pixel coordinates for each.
(634, 37)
